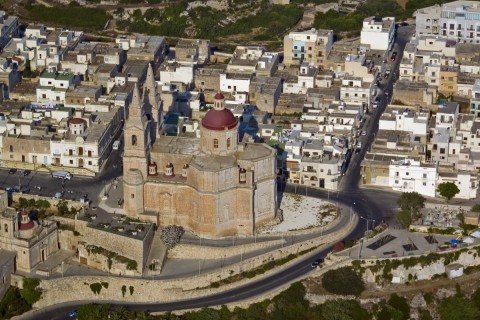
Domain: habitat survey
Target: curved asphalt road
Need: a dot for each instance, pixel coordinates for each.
(359, 199)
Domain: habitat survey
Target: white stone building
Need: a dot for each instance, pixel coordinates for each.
(354, 89)
(413, 176)
(466, 182)
(53, 86)
(378, 33)
(427, 20)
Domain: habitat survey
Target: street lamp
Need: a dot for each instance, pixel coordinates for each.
(368, 220)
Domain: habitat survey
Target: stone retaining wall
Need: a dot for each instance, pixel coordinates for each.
(77, 288)
(53, 202)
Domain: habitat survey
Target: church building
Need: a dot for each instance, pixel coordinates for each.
(214, 186)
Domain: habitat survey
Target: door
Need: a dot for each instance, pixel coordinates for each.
(80, 163)
(322, 183)
(43, 255)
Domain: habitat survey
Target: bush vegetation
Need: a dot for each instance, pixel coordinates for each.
(343, 281)
(30, 291)
(82, 18)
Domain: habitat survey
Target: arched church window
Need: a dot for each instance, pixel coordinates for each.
(215, 143)
(228, 143)
(134, 140)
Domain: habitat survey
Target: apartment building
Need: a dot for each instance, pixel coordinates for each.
(460, 20)
(355, 89)
(378, 33)
(427, 20)
(358, 66)
(305, 80)
(53, 86)
(312, 46)
(475, 99)
(196, 51)
(414, 176)
(423, 58)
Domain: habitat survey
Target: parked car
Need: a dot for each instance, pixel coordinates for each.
(393, 56)
(359, 145)
(11, 189)
(26, 172)
(364, 133)
(12, 171)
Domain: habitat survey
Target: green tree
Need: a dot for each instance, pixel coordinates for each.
(30, 291)
(424, 314)
(401, 304)
(343, 310)
(93, 312)
(404, 217)
(448, 190)
(476, 298)
(458, 308)
(411, 201)
(13, 304)
(343, 281)
(476, 208)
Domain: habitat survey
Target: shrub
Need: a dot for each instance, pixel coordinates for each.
(105, 285)
(124, 290)
(13, 304)
(400, 304)
(170, 235)
(30, 292)
(343, 281)
(132, 265)
(96, 287)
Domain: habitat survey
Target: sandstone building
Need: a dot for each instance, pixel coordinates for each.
(214, 185)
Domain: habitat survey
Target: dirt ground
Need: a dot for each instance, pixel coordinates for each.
(403, 3)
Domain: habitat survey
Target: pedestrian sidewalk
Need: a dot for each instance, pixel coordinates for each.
(112, 197)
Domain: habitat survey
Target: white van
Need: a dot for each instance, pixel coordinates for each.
(116, 145)
(62, 175)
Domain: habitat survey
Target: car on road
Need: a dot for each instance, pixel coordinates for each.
(12, 171)
(58, 195)
(393, 56)
(359, 145)
(26, 172)
(376, 102)
(11, 189)
(317, 262)
(364, 133)
(73, 314)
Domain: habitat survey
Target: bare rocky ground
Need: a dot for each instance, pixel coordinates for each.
(413, 292)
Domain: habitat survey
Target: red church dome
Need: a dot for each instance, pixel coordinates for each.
(219, 96)
(25, 222)
(219, 119)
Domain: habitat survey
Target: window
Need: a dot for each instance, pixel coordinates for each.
(424, 183)
(71, 161)
(132, 196)
(424, 176)
(215, 143)
(407, 173)
(442, 150)
(134, 140)
(228, 143)
(11, 148)
(5, 227)
(396, 174)
(396, 181)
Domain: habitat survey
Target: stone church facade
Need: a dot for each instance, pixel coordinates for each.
(214, 185)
